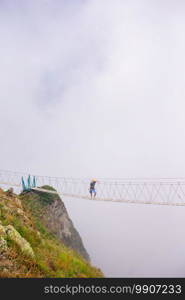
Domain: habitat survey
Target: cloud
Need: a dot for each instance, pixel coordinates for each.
(93, 89)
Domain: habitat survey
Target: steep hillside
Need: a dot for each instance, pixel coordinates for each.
(37, 238)
(50, 210)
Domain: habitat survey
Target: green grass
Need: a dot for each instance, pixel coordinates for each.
(52, 258)
(46, 198)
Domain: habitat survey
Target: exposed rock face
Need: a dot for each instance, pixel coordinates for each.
(3, 245)
(15, 236)
(27, 247)
(57, 221)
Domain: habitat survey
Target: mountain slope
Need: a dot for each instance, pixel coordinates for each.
(32, 244)
(51, 211)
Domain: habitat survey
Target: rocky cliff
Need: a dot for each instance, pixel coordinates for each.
(54, 216)
(38, 239)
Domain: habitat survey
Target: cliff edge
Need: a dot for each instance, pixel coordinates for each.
(51, 211)
(38, 239)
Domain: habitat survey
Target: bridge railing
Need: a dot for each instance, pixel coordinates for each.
(144, 190)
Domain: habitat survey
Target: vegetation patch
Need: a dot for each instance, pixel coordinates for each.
(51, 258)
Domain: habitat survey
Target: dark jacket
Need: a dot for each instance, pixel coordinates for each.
(92, 185)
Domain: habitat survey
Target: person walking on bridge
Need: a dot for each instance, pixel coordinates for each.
(92, 188)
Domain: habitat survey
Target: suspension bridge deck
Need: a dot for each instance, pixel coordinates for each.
(163, 191)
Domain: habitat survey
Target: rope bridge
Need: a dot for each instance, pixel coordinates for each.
(164, 191)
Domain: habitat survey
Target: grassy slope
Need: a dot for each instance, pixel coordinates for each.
(52, 259)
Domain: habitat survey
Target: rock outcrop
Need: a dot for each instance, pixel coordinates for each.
(15, 236)
(56, 219)
(58, 222)
(3, 245)
(35, 230)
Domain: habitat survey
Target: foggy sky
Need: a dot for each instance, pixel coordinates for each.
(95, 88)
